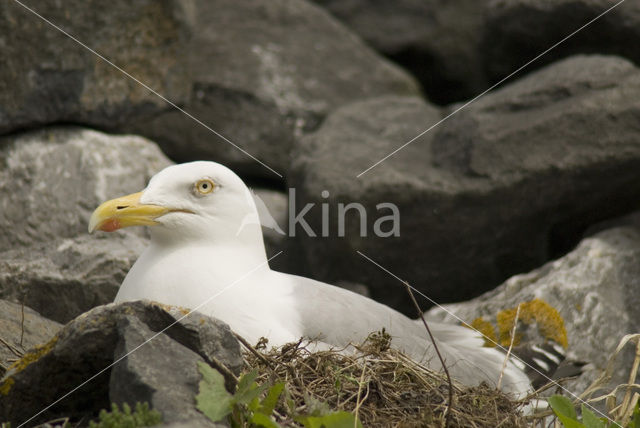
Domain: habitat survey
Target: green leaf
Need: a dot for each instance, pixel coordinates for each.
(590, 420)
(245, 381)
(332, 420)
(248, 395)
(248, 390)
(635, 419)
(254, 405)
(564, 410)
(213, 399)
(271, 400)
(262, 420)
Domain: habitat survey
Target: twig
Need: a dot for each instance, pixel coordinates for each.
(358, 401)
(513, 337)
(22, 322)
(12, 348)
(253, 350)
(627, 405)
(435, 346)
(219, 365)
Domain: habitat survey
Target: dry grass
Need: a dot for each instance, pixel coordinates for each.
(382, 386)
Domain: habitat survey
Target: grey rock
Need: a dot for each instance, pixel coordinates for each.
(499, 188)
(48, 78)
(258, 74)
(208, 337)
(51, 180)
(65, 277)
(513, 33)
(169, 383)
(81, 354)
(262, 74)
(595, 290)
(22, 328)
(439, 42)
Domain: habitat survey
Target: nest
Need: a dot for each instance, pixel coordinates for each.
(380, 385)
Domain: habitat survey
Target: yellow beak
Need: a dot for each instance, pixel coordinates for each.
(124, 212)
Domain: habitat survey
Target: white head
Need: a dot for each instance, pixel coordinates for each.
(196, 201)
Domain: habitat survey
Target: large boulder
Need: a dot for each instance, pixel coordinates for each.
(248, 76)
(594, 289)
(439, 42)
(170, 383)
(50, 182)
(47, 77)
(94, 360)
(262, 74)
(513, 35)
(497, 189)
(66, 277)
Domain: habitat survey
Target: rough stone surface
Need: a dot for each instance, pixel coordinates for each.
(504, 185)
(48, 78)
(66, 277)
(513, 33)
(439, 42)
(170, 383)
(21, 328)
(52, 180)
(262, 73)
(257, 73)
(87, 345)
(594, 288)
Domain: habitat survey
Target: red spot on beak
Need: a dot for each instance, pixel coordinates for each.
(110, 225)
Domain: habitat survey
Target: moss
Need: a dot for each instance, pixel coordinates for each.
(28, 358)
(142, 416)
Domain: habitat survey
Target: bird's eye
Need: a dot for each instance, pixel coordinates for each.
(204, 187)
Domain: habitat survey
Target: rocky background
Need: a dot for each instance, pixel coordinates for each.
(539, 178)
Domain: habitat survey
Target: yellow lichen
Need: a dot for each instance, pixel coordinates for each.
(169, 308)
(487, 330)
(30, 357)
(505, 320)
(6, 386)
(546, 317)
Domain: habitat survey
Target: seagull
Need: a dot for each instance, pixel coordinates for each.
(206, 252)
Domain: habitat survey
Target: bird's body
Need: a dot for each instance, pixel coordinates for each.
(204, 255)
